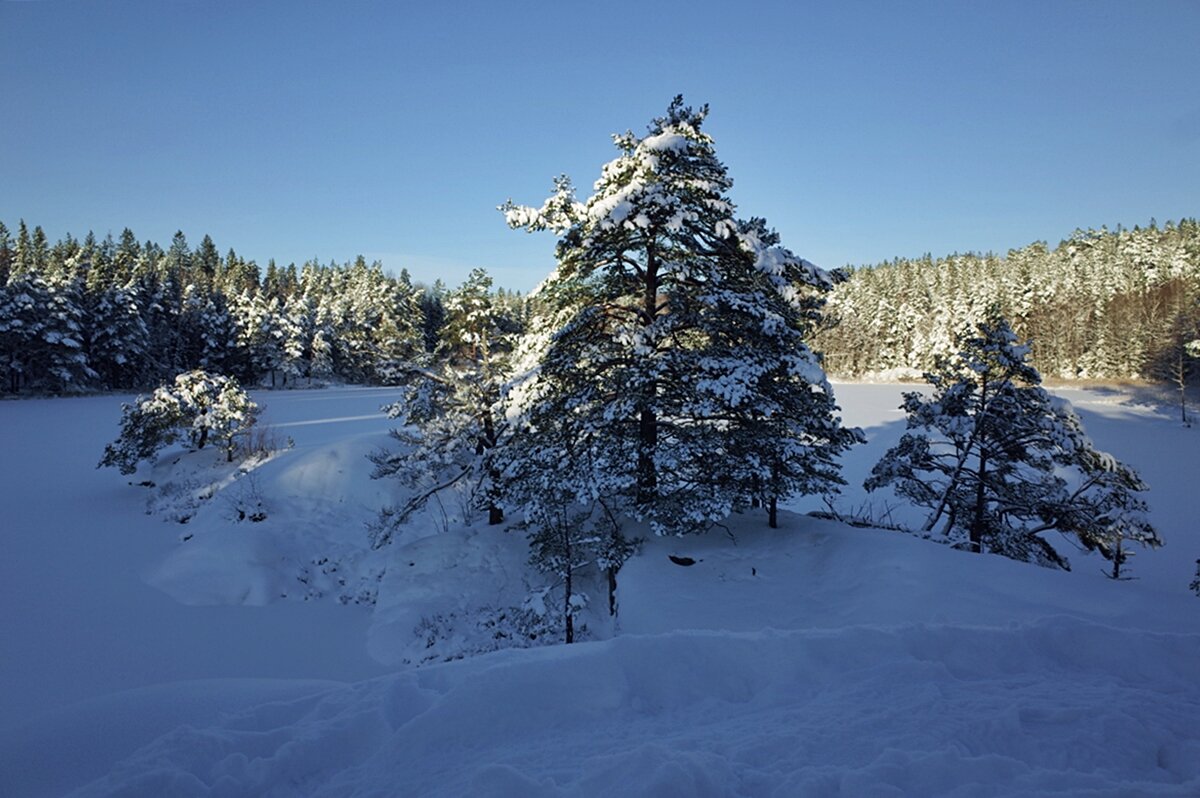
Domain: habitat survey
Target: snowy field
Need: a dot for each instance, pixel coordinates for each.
(156, 645)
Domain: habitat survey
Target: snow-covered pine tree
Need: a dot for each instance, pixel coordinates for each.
(260, 334)
(999, 462)
(118, 341)
(299, 315)
(125, 257)
(563, 485)
(321, 367)
(673, 338)
(191, 326)
(450, 414)
(1177, 361)
(206, 261)
(556, 474)
(23, 309)
(6, 255)
(433, 314)
(196, 405)
(1102, 507)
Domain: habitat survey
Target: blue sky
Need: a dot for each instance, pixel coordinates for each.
(860, 130)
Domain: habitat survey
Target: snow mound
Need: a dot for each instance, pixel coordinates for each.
(818, 574)
(290, 527)
(1050, 707)
(441, 590)
(813, 659)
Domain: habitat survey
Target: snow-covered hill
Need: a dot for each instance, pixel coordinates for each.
(816, 659)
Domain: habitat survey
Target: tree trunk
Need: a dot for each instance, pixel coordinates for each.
(976, 531)
(1180, 375)
(773, 502)
(647, 477)
(1118, 561)
(980, 504)
(495, 514)
(611, 573)
(568, 618)
(647, 441)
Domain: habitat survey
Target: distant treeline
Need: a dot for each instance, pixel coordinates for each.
(82, 315)
(1101, 305)
(116, 314)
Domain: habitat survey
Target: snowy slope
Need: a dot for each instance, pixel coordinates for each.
(717, 689)
(815, 659)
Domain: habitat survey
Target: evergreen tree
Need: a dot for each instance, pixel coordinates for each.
(450, 413)
(62, 359)
(39, 250)
(672, 333)
(321, 366)
(207, 262)
(126, 257)
(298, 320)
(999, 462)
(22, 258)
(195, 406)
(260, 334)
(118, 341)
(179, 259)
(433, 314)
(6, 255)
(218, 332)
(271, 280)
(236, 276)
(24, 307)
(101, 273)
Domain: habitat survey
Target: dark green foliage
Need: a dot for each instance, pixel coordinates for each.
(672, 377)
(999, 462)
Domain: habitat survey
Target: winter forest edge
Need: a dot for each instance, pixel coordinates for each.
(672, 374)
(670, 333)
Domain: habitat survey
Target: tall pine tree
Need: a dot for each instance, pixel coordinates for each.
(673, 341)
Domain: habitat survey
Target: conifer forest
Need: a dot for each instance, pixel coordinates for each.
(95, 314)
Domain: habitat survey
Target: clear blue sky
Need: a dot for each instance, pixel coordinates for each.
(860, 130)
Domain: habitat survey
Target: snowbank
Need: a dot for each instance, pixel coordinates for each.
(1049, 707)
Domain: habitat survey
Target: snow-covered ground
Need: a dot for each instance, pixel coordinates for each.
(147, 657)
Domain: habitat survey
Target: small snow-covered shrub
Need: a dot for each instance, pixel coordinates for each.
(197, 406)
(452, 635)
(263, 442)
(248, 502)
